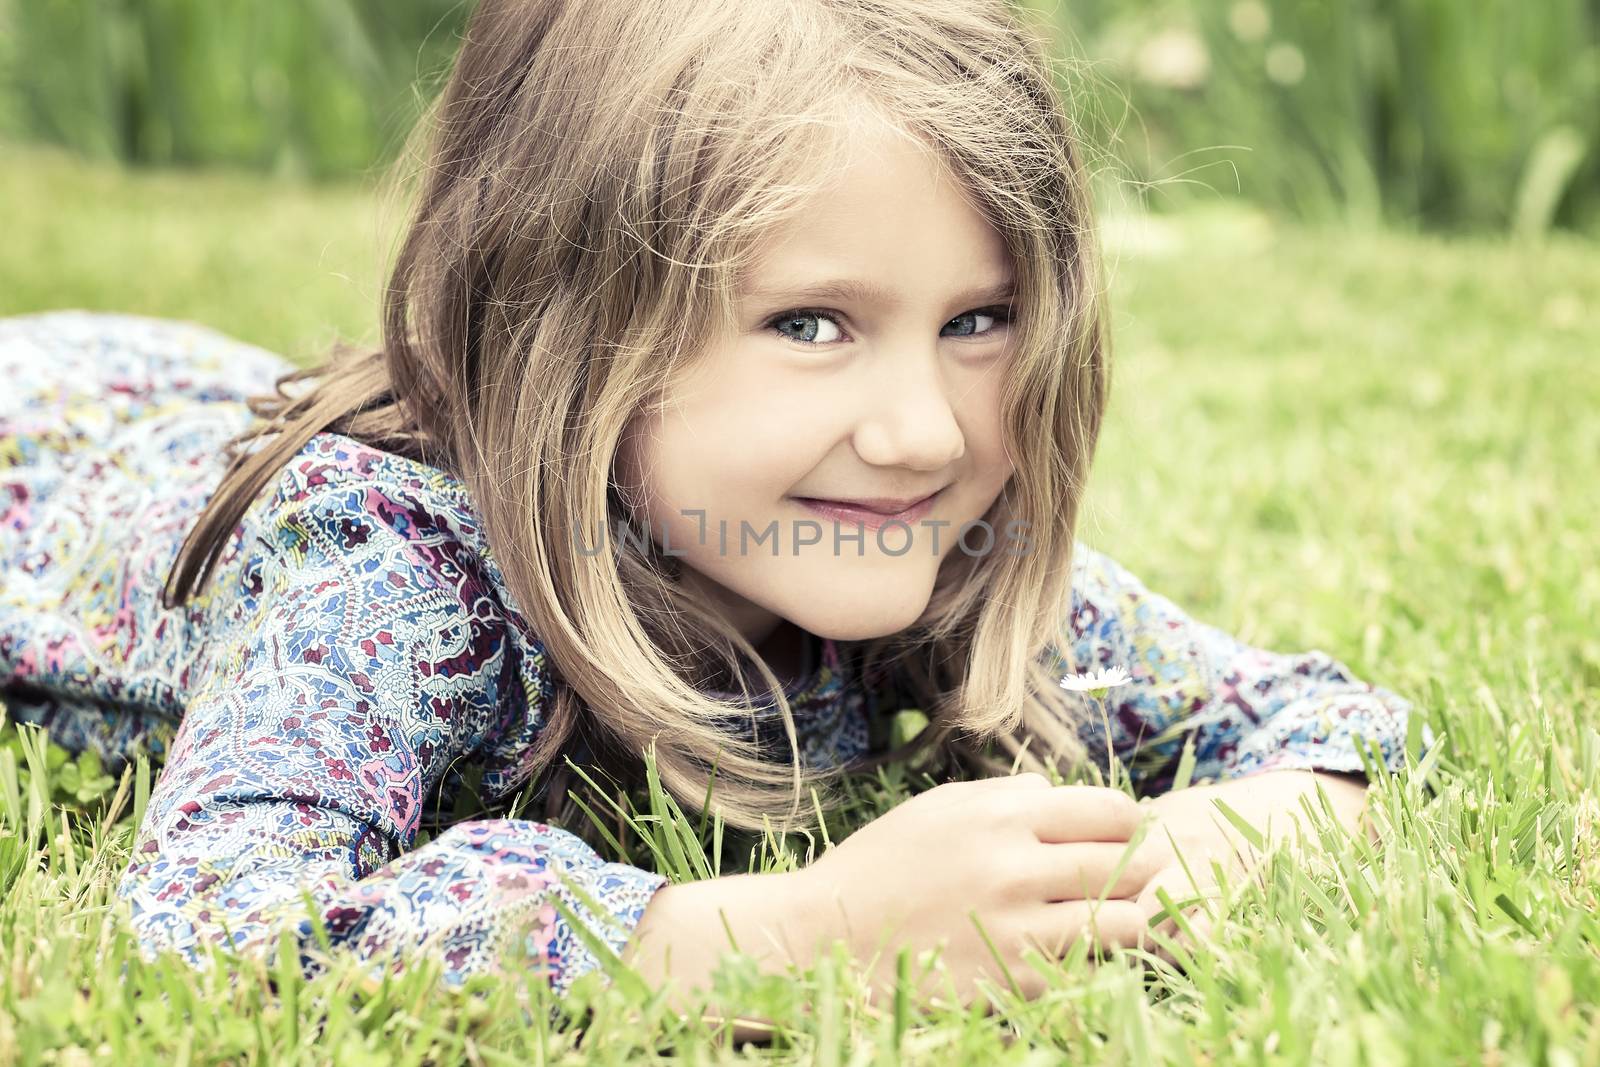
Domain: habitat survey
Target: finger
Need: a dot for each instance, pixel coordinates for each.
(1068, 813)
(1179, 886)
(1054, 928)
(1025, 780)
(1183, 892)
(1087, 870)
(1174, 939)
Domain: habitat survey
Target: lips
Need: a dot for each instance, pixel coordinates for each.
(879, 505)
(873, 512)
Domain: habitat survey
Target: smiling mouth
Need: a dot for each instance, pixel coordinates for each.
(872, 513)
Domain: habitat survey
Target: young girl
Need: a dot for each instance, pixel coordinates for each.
(740, 376)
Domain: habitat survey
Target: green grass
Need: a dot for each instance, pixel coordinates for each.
(285, 266)
(1385, 447)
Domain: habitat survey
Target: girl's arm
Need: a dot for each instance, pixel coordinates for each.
(1268, 731)
(362, 657)
(1244, 709)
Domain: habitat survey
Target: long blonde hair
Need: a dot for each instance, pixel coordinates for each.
(596, 174)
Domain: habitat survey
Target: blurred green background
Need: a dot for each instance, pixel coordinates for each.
(1480, 115)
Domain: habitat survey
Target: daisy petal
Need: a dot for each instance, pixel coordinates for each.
(1102, 679)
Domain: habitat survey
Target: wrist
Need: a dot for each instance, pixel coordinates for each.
(688, 926)
(1270, 801)
(1190, 825)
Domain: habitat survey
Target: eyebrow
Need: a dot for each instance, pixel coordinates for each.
(851, 290)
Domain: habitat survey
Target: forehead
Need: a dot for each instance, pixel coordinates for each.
(890, 213)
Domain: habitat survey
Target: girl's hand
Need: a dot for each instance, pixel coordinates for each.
(1025, 859)
(1187, 856)
(1191, 839)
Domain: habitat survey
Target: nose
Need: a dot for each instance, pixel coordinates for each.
(908, 418)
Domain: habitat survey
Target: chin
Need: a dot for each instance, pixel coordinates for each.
(855, 622)
(856, 630)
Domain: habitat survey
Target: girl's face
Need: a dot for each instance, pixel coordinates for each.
(867, 363)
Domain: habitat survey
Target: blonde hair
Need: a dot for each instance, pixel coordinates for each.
(597, 172)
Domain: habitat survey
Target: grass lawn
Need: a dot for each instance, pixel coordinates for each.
(1380, 445)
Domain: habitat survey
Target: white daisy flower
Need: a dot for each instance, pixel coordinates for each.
(1083, 683)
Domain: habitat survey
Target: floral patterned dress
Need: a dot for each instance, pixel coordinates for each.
(358, 651)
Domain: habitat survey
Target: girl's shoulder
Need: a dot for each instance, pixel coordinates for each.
(389, 519)
(1097, 579)
(333, 465)
(391, 525)
(1110, 602)
(378, 566)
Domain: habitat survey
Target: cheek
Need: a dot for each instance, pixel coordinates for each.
(736, 438)
(719, 462)
(983, 428)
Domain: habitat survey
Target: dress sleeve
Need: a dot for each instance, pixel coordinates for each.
(1245, 710)
(360, 661)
